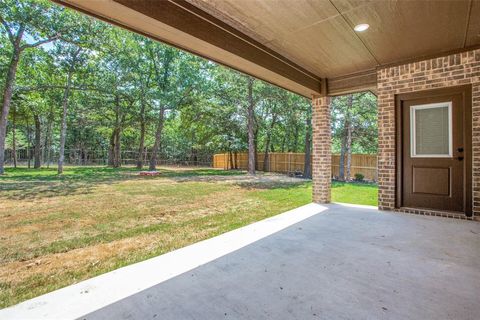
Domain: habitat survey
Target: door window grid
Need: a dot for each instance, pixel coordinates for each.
(431, 130)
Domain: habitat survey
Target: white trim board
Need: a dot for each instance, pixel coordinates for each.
(87, 296)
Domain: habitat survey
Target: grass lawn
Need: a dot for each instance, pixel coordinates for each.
(357, 193)
(59, 230)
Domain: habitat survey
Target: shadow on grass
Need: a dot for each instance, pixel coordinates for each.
(20, 183)
(271, 185)
(241, 179)
(23, 183)
(200, 173)
(339, 184)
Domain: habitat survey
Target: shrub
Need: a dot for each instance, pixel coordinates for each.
(359, 177)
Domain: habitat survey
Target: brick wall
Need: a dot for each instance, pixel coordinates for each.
(453, 70)
(321, 151)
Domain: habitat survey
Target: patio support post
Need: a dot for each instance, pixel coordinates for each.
(321, 153)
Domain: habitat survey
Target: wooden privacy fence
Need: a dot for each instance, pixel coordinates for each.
(365, 164)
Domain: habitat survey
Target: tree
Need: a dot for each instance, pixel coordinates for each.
(39, 21)
(354, 127)
(34, 68)
(74, 52)
(163, 59)
(100, 92)
(250, 125)
(143, 75)
(176, 75)
(307, 171)
(72, 56)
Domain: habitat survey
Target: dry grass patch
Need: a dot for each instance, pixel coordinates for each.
(105, 218)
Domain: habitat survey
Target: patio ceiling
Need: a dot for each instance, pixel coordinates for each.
(298, 44)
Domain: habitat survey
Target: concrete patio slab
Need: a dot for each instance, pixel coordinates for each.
(346, 263)
(77, 300)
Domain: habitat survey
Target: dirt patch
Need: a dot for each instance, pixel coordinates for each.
(47, 242)
(103, 255)
(55, 264)
(258, 179)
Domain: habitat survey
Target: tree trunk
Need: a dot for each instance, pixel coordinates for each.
(284, 138)
(118, 148)
(295, 139)
(7, 100)
(48, 145)
(28, 144)
(232, 165)
(48, 139)
(37, 148)
(307, 170)
(115, 149)
(349, 129)
(66, 95)
(349, 151)
(158, 138)
(341, 167)
(255, 143)
(111, 150)
(63, 130)
(141, 144)
(266, 157)
(14, 137)
(250, 124)
(117, 133)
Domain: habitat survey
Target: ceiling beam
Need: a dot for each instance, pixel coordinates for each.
(362, 81)
(178, 23)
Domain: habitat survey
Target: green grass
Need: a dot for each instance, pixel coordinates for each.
(59, 230)
(356, 193)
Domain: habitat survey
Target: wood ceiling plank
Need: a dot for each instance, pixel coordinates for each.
(401, 30)
(266, 20)
(344, 6)
(362, 81)
(329, 48)
(310, 33)
(294, 44)
(187, 18)
(272, 20)
(170, 23)
(473, 31)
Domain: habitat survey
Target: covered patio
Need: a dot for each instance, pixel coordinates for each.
(314, 262)
(324, 260)
(421, 58)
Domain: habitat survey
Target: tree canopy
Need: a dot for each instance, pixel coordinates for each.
(79, 88)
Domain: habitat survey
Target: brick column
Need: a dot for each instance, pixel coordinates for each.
(386, 149)
(321, 153)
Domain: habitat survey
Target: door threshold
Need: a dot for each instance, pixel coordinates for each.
(436, 213)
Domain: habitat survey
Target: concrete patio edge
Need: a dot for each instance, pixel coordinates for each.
(87, 296)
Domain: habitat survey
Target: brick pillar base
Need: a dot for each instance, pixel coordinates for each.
(321, 153)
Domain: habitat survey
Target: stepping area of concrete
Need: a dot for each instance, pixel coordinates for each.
(314, 262)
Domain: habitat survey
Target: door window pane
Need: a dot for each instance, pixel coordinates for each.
(431, 130)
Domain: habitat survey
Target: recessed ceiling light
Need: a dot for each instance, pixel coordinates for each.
(361, 27)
